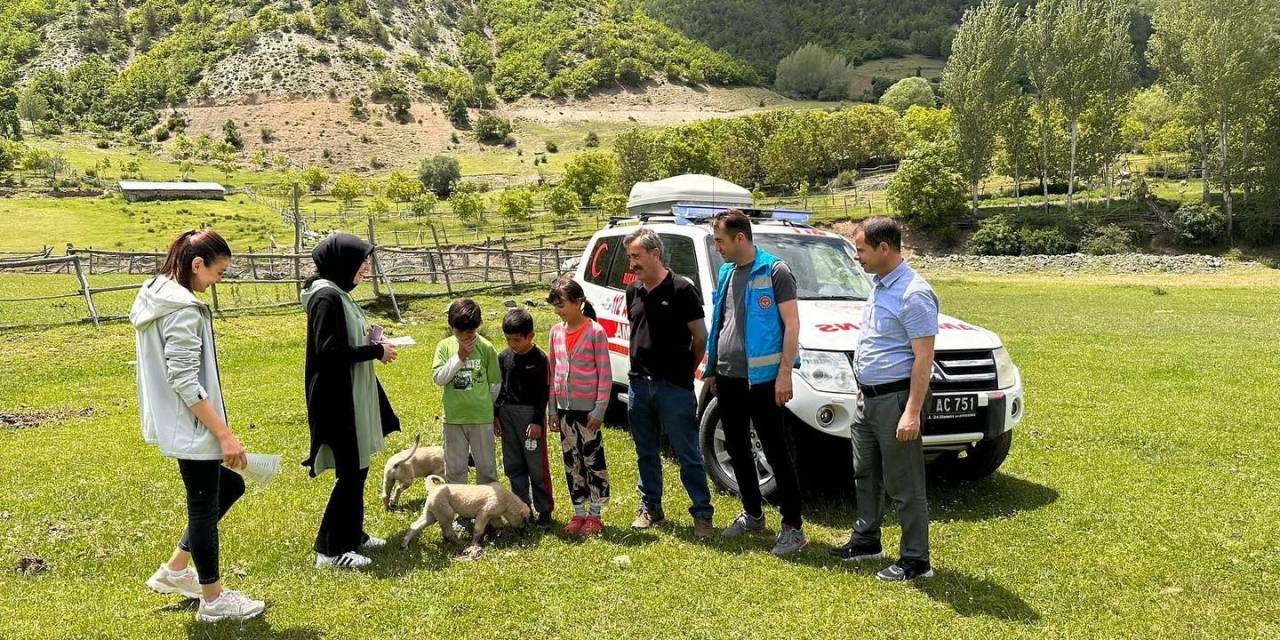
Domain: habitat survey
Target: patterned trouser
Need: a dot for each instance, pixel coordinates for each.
(584, 465)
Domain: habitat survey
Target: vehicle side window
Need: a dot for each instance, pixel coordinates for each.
(680, 257)
(619, 272)
(601, 259)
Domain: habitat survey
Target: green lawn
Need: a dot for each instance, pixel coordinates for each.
(1139, 499)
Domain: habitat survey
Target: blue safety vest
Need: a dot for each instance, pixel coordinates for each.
(763, 326)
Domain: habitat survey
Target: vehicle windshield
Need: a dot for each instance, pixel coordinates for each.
(825, 267)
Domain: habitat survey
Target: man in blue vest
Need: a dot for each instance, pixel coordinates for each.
(755, 329)
(893, 363)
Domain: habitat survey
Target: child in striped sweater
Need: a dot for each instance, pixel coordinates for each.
(581, 380)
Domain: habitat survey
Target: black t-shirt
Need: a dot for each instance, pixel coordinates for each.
(524, 381)
(661, 343)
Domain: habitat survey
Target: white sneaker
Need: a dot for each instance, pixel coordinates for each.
(348, 560)
(373, 543)
(185, 583)
(231, 605)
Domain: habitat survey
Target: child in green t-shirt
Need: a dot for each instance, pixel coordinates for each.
(466, 365)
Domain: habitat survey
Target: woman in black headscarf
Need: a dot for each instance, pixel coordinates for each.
(347, 410)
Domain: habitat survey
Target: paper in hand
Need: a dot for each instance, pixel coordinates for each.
(400, 341)
(262, 467)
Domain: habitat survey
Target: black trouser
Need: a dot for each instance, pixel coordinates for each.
(211, 490)
(743, 406)
(342, 528)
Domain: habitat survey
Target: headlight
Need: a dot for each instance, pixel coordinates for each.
(828, 371)
(1006, 371)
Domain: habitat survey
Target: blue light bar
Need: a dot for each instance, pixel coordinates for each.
(790, 215)
(690, 213)
(695, 211)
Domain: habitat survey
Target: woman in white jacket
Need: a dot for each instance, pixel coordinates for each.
(180, 402)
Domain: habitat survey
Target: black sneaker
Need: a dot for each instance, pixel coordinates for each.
(544, 521)
(905, 570)
(858, 552)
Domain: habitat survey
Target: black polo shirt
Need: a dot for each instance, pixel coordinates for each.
(661, 343)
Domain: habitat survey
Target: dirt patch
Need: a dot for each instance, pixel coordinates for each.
(30, 565)
(303, 130)
(655, 105)
(29, 419)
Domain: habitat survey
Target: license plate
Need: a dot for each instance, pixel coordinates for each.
(953, 407)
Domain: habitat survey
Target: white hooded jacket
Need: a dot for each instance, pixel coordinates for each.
(177, 366)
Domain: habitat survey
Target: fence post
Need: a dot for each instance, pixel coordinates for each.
(556, 266)
(297, 245)
(486, 258)
(213, 288)
(511, 273)
(444, 268)
(540, 240)
(84, 286)
(373, 240)
(253, 265)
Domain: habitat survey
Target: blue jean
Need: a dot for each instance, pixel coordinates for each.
(656, 407)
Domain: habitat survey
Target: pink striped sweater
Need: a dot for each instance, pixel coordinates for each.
(582, 380)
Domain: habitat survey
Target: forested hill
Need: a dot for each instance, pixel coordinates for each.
(762, 32)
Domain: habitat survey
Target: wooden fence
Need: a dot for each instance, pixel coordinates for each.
(460, 269)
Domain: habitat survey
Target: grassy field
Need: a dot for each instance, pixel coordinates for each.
(1138, 501)
(898, 68)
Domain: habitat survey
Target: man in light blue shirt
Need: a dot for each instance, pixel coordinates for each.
(893, 363)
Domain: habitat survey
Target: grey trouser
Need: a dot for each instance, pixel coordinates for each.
(527, 471)
(880, 464)
(469, 440)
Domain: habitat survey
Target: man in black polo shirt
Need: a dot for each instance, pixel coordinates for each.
(668, 340)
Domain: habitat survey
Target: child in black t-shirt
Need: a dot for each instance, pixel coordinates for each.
(521, 415)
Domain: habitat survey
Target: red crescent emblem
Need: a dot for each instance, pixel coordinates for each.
(765, 302)
(595, 259)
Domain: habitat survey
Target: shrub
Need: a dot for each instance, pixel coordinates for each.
(1257, 228)
(492, 128)
(907, 92)
(813, 72)
(1197, 224)
(1108, 239)
(592, 140)
(563, 203)
(469, 208)
(552, 147)
(515, 206)
(439, 174)
(995, 237)
(1047, 241)
(927, 192)
(231, 134)
(591, 172)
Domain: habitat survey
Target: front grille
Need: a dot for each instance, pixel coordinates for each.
(964, 371)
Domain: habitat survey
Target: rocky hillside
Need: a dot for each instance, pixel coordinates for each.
(141, 56)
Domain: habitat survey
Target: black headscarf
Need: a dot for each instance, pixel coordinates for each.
(337, 259)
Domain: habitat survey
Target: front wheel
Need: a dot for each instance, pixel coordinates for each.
(715, 457)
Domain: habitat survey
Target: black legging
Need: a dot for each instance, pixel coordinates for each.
(342, 528)
(211, 490)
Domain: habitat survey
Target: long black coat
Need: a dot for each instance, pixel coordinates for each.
(330, 407)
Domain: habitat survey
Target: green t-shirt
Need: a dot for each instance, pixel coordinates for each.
(466, 396)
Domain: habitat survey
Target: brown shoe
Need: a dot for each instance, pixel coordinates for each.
(702, 528)
(646, 519)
